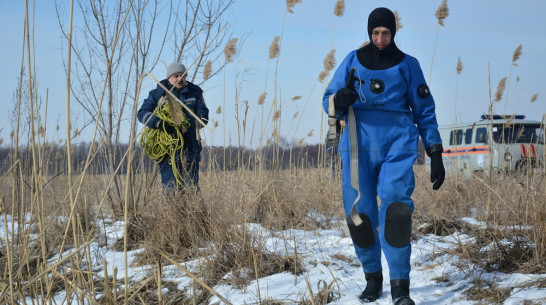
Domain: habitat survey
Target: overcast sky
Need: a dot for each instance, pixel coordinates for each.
(484, 34)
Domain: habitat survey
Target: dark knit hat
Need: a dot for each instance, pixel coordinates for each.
(174, 68)
(381, 16)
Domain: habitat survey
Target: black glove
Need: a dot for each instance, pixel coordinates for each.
(346, 96)
(437, 170)
(166, 127)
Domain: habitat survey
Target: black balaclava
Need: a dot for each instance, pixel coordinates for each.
(370, 56)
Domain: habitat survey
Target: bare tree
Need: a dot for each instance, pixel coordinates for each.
(117, 42)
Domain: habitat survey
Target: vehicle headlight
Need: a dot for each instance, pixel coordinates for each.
(507, 156)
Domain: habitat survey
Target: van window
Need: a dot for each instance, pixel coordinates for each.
(468, 136)
(456, 137)
(517, 133)
(481, 135)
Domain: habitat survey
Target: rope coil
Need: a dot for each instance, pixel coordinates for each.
(157, 143)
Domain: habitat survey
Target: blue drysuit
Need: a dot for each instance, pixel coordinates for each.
(187, 161)
(393, 108)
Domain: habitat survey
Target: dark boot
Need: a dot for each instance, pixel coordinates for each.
(374, 287)
(400, 292)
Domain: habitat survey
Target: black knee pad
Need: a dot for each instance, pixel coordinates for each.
(361, 235)
(398, 224)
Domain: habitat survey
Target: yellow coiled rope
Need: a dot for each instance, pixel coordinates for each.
(157, 143)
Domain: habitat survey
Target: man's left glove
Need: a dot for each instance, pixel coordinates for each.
(437, 170)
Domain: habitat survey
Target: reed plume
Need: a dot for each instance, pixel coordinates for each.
(398, 20)
(459, 69)
(500, 89)
(215, 124)
(310, 134)
(230, 49)
(534, 97)
(442, 12)
(295, 115)
(330, 60)
(322, 76)
(1, 141)
(459, 66)
(277, 115)
(297, 97)
(339, 8)
(516, 55)
(219, 110)
(290, 4)
(329, 64)
(207, 70)
(261, 99)
(274, 48)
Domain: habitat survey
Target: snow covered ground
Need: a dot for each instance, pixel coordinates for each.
(329, 259)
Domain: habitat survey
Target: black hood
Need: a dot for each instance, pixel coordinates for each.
(370, 56)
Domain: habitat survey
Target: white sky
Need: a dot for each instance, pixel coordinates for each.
(482, 33)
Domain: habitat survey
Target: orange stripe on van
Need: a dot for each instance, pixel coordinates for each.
(528, 150)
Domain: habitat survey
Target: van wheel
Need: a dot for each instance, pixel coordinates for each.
(521, 167)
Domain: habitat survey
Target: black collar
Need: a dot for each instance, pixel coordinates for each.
(374, 59)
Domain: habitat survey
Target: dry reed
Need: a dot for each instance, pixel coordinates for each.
(459, 66)
(261, 99)
(442, 12)
(516, 55)
(274, 48)
(339, 8)
(398, 20)
(230, 49)
(207, 70)
(330, 61)
(290, 4)
(534, 97)
(322, 76)
(500, 89)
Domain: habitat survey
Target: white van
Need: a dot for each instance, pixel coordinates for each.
(496, 142)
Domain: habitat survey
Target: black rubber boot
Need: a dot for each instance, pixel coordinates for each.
(374, 287)
(400, 292)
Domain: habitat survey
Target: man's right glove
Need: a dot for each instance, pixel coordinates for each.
(437, 170)
(346, 96)
(166, 127)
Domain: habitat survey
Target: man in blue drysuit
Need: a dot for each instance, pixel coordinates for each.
(187, 160)
(385, 90)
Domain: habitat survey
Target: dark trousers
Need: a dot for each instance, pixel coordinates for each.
(187, 164)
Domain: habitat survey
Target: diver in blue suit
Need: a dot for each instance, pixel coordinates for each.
(382, 96)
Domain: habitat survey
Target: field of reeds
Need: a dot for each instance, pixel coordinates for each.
(41, 233)
(55, 207)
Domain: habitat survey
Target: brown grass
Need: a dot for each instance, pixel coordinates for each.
(508, 207)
